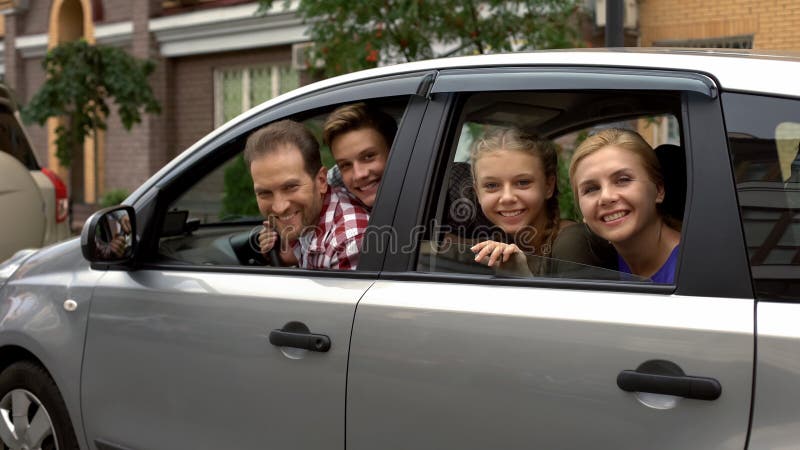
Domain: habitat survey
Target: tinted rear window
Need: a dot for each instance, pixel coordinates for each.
(764, 138)
(13, 140)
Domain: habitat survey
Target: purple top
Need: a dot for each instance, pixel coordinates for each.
(664, 275)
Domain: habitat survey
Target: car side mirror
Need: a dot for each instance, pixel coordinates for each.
(109, 235)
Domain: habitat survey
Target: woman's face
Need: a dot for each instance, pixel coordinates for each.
(616, 196)
(512, 189)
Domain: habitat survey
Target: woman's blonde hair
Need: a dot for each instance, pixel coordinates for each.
(513, 139)
(622, 138)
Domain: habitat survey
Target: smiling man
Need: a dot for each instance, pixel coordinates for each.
(320, 223)
(359, 137)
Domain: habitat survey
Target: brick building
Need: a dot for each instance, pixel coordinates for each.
(215, 58)
(757, 24)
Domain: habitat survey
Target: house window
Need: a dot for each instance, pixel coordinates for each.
(744, 41)
(238, 89)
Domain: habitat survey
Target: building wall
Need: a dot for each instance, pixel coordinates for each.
(772, 22)
(37, 18)
(192, 87)
(117, 10)
(126, 162)
(33, 80)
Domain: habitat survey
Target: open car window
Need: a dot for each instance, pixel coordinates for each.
(564, 119)
(215, 219)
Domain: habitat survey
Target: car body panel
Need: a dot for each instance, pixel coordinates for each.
(33, 317)
(775, 418)
(54, 231)
(187, 356)
(435, 365)
(23, 221)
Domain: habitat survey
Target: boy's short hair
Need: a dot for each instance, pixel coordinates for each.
(278, 134)
(355, 117)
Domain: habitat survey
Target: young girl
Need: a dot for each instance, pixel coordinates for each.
(514, 176)
(617, 181)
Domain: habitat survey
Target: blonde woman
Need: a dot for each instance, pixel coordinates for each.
(618, 184)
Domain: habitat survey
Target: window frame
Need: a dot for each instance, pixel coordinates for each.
(703, 231)
(275, 84)
(152, 206)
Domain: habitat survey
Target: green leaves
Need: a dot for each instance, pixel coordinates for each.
(80, 78)
(350, 35)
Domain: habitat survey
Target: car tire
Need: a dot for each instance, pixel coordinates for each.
(28, 388)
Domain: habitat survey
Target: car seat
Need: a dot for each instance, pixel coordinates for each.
(673, 168)
(462, 211)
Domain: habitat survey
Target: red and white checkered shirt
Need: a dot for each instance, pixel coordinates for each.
(335, 242)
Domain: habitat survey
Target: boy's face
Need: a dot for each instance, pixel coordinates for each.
(361, 156)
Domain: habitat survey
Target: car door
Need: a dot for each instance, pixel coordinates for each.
(446, 355)
(764, 150)
(178, 351)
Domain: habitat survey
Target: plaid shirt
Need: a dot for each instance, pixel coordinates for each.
(335, 180)
(336, 240)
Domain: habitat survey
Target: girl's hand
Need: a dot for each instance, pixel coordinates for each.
(497, 252)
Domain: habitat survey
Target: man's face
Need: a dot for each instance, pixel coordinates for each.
(286, 194)
(361, 156)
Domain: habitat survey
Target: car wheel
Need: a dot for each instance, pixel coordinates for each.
(33, 415)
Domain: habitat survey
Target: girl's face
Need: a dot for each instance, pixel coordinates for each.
(616, 196)
(512, 189)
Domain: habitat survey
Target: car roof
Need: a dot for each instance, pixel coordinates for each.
(777, 72)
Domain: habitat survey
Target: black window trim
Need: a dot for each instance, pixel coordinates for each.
(152, 205)
(561, 78)
(702, 129)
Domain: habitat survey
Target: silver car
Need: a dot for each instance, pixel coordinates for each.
(186, 338)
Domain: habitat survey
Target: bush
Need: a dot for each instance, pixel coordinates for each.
(113, 197)
(238, 198)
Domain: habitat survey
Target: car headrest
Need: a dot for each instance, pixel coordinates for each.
(462, 212)
(673, 167)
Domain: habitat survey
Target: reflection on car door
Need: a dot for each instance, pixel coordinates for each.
(182, 359)
(475, 367)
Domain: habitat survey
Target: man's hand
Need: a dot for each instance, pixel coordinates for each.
(267, 237)
(125, 224)
(117, 246)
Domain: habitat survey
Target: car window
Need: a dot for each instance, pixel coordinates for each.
(13, 140)
(462, 217)
(765, 152)
(214, 220)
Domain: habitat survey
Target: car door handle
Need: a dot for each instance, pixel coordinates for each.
(699, 388)
(307, 341)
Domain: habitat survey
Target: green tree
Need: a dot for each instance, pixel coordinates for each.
(349, 35)
(238, 198)
(80, 77)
